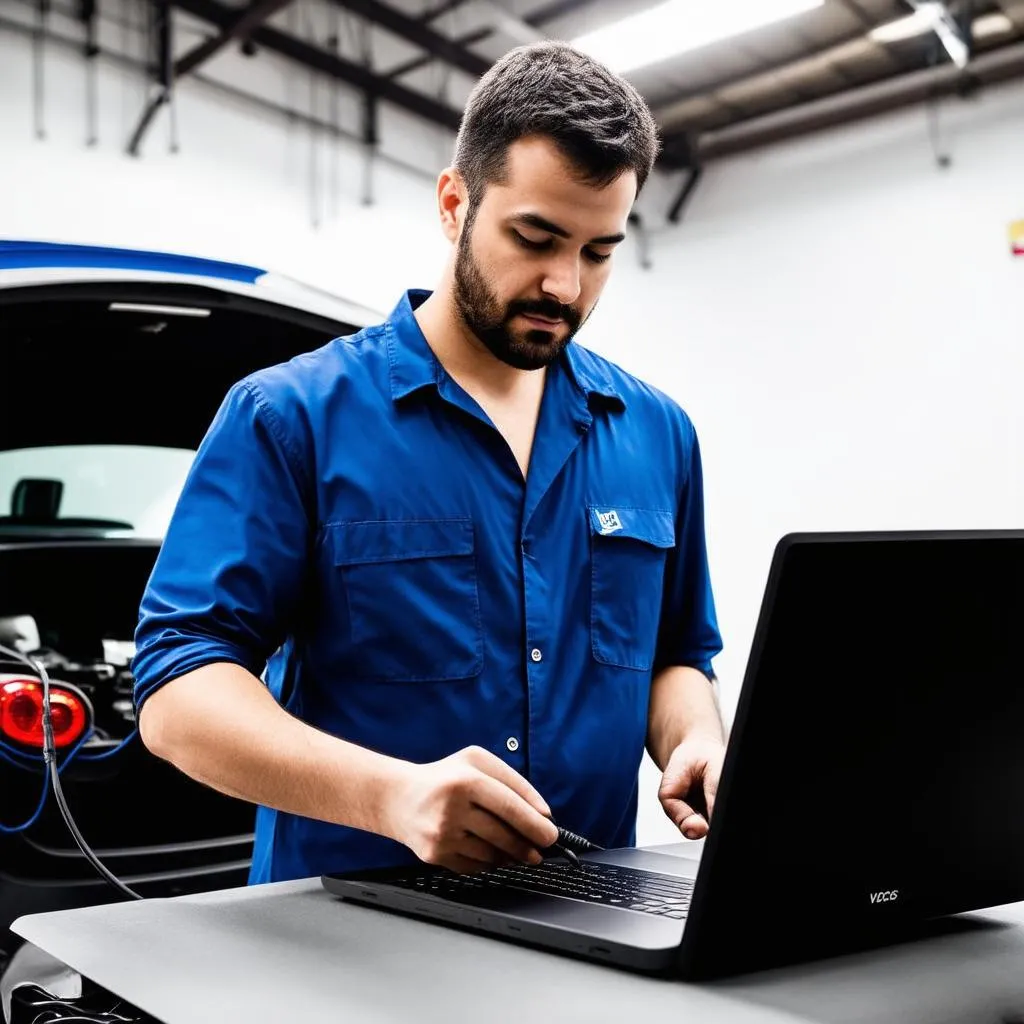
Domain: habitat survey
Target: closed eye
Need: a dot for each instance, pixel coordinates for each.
(532, 246)
(527, 243)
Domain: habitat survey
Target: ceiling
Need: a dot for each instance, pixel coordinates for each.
(815, 69)
(422, 58)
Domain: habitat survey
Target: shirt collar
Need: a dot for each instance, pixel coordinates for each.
(414, 366)
(412, 362)
(591, 376)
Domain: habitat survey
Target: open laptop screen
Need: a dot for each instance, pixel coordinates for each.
(876, 768)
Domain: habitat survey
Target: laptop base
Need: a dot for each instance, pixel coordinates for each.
(609, 935)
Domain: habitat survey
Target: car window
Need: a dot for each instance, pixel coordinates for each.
(114, 489)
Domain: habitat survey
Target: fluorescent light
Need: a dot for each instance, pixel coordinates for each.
(929, 16)
(142, 307)
(924, 19)
(995, 24)
(676, 26)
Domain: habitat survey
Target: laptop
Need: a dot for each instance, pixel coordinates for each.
(873, 781)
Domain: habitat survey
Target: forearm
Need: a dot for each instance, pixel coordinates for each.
(221, 726)
(682, 706)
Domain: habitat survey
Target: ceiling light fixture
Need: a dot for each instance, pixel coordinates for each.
(995, 24)
(678, 26)
(908, 27)
(931, 16)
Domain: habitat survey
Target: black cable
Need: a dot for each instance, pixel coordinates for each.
(50, 759)
(572, 845)
(575, 842)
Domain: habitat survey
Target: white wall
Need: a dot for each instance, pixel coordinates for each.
(841, 319)
(844, 322)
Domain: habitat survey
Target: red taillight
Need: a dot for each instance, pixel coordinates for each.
(21, 714)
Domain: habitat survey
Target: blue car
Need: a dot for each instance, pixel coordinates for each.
(113, 364)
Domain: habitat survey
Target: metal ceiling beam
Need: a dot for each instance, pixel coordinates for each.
(415, 31)
(255, 14)
(328, 63)
(1014, 10)
(998, 65)
(692, 180)
(537, 20)
(441, 9)
(858, 12)
(677, 114)
(694, 113)
(291, 115)
(161, 68)
(554, 10)
(512, 26)
(421, 62)
(87, 15)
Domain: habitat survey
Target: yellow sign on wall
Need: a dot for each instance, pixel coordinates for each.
(1017, 238)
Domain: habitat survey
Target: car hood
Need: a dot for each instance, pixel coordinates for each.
(138, 358)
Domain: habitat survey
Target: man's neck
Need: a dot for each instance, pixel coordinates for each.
(510, 397)
(466, 358)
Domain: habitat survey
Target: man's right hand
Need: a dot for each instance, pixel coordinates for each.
(469, 812)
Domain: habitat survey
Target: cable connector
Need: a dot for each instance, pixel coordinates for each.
(572, 845)
(49, 746)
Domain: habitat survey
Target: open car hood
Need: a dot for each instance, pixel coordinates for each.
(139, 354)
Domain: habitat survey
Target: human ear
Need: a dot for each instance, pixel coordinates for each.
(452, 202)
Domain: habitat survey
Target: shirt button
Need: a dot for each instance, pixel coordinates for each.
(512, 743)
(535, 654)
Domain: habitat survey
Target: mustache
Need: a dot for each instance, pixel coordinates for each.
(547, 308)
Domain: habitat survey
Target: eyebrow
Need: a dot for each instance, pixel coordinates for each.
(534, 220)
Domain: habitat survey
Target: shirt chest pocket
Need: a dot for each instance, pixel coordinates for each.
(412, 598)
(629, 548)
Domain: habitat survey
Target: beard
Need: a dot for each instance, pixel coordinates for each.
(490, 320)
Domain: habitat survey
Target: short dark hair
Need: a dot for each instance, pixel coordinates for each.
(598, 120)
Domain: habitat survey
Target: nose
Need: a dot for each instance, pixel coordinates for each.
(562, 279)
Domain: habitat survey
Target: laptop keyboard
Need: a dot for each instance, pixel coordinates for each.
(604, 884)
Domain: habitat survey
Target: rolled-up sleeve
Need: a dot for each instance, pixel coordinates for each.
(689, 633)
(227, 580)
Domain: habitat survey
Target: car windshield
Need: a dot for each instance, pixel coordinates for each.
(122, 490)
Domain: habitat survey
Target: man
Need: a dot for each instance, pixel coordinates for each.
(472, 551)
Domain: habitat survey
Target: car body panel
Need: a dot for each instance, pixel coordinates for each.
(158, 830)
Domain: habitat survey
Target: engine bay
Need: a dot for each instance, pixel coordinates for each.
(73, 607)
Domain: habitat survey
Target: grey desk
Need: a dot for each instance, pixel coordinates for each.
(257, 954)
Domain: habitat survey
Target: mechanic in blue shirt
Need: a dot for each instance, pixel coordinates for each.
(433, 587)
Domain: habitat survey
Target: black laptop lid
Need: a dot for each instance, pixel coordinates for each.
(876, 767)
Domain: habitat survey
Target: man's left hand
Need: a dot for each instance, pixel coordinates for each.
(690, 783)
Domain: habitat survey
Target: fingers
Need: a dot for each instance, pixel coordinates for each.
(501, 838)
(465, 854)
(507, 805)
(685, 818)
(710, 793)
(464, 865)
(513, 800)
(493, 766)
(471, 856)
(688, 791)
(485, 854)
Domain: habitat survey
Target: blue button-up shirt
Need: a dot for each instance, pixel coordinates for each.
(355, 530)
